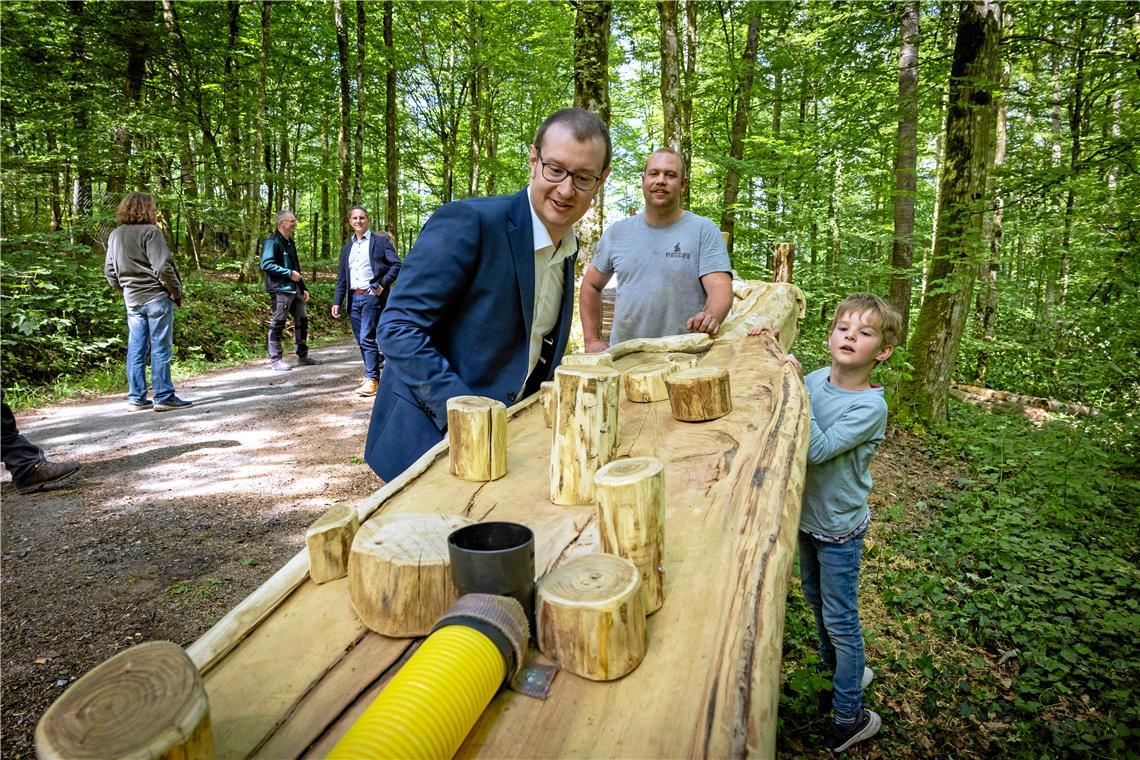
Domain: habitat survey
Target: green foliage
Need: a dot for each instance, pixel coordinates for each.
(1010, 603)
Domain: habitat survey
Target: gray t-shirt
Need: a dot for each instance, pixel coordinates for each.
(658, 272)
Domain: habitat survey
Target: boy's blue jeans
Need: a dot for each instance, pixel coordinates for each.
(150, 327)
(830, 577)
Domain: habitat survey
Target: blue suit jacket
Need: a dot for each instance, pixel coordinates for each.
(385, 265)
(458, 323)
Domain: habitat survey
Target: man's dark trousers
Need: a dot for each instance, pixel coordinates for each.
(20, 455)
(284, 306)
(364, 314)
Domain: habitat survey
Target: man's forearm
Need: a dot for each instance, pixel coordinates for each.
(718, 300)
(590, 311)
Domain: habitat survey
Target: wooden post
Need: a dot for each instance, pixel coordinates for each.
(783, 255)
(699, 393)
(601, 359)
(683, 361)
(145, 702)
(646, 382)
(399, 574)
(631, 520)
(329, 541)
(547, 397)
(477, 434)
(590, 616)
(585, 431)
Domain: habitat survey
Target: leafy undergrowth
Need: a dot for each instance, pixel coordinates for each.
(1000, 596)
(65, 332)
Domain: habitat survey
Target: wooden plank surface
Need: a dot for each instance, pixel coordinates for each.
(291, 679)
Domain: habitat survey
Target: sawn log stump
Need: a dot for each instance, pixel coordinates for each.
(699, 393)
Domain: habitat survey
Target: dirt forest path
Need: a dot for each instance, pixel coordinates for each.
(174, 518)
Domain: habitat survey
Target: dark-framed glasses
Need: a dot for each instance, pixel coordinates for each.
(555, 173)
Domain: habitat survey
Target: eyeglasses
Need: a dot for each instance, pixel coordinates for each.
(555, 173)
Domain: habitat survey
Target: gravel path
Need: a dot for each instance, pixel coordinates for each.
(174, 518)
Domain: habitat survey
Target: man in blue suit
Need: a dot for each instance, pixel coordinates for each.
(484, 301)
(368, 267)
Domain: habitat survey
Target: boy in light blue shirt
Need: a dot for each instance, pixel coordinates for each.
(848, 422)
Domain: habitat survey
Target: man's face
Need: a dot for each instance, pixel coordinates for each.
(560, 205)
(358, 221)
(662, 183)
(287, 226)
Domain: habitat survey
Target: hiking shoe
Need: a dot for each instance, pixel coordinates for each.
(825, 694)
(140, 406)
(45, 474)
(368, 387)
(280, 366)
(306, 361)
(171, 404)
(841, 736)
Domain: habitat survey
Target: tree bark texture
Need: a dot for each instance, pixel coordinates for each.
(739, 130)
(687, 87)
(670, 73)
(391, 164)
(970, 127)
(343, 166)
(906, 159)
(358, 137)
(592, 92)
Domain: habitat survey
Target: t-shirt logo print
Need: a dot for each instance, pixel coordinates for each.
(677, 253)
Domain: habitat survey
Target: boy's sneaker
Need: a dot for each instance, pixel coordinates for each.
(140, 406)
(825, 694)
(171, 404)
(45, 474)
(840, 736)
(280, 366)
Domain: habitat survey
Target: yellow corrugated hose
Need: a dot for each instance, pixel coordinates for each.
(428, 708)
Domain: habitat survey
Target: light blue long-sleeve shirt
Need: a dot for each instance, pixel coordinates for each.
(846, 428)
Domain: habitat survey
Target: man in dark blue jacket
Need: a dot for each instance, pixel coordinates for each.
(484, 301)
(368, 267)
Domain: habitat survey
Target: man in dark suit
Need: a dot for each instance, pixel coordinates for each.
(368, 267)
(484, 301)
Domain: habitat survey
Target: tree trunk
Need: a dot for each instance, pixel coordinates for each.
(906, 158)
(475, 106)
(237, 184)
(139, 18)
(343, 167)
(970, 131)
(358, 141)
(690, 84)
(254, 210)
(187, 177)
(325, 246)
(739, 130)
(592, 92)
(670, 74)
(391, 168)
(81, 193)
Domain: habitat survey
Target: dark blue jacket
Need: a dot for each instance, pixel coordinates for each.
(278, 261)
(458, 323)
(385, 266)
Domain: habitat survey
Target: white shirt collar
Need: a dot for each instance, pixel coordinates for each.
(367, 235)
(567, 246)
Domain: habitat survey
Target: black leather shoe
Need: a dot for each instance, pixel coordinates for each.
(46, 474)
(306, 361)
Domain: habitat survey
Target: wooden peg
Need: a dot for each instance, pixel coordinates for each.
(601, 359)
(631, 520)
(699, 393)
(547, 398)
(477, 434)
(585, 430)
(399, 573)
(329, 541)
(591, 618)
(682, 360)
(145, 702)
(646, 382)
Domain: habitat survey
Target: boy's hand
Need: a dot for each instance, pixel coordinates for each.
(792, 360)
(763, 328)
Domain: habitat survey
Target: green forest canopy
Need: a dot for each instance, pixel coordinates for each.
(227, 111)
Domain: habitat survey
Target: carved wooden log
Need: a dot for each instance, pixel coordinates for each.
(591, 618)
(699, 393)
(477, 434)
(601, 359)
(399, 574)
(631, 520)
(329, 541)
(646, 382)
(145, 702)
(681, 360)
(585, 431)
(546, 394)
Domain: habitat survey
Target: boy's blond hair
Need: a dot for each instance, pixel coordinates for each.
(890, 323)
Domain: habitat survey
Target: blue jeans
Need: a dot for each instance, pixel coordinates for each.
(364, 315)
(150, 327)
(830, 577)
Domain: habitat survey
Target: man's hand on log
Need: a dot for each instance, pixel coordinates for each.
(595, 345)
(703, 322)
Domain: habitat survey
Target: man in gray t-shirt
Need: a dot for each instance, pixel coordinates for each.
(672, 266)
